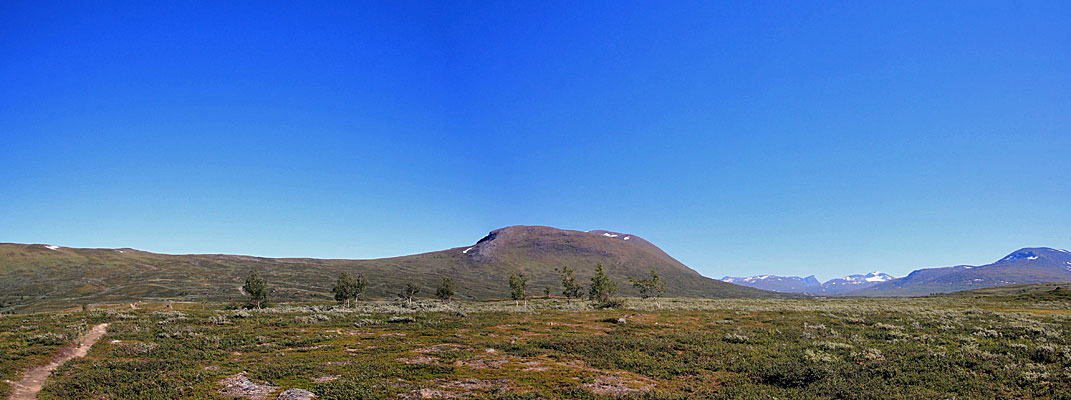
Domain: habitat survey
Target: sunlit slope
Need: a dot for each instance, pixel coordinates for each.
(34, 274)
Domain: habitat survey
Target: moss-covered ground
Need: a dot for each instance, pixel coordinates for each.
(969, 347)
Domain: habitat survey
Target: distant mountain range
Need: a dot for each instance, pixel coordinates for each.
(1024, 266)
(1029, 265)
(37, 274)
(795, 284)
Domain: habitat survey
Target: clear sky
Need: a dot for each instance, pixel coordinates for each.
(742, 137)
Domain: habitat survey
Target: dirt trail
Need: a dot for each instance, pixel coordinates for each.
(34, 378)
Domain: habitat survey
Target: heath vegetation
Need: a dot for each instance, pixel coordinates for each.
(938, 347)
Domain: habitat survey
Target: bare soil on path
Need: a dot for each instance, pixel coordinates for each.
(33, 379)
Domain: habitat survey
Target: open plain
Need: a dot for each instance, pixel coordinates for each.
(992, 345)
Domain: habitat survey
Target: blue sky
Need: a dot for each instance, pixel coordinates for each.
(742, 137)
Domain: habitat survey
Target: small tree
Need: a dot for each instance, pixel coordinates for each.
(446, 290)
(570, 289)
(517, 285)
(358, 288)
(546, 292)
(602, 288)
(345, 289)
(649, 287)
(257, 289)
(408, 292)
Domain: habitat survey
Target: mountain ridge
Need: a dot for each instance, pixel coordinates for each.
(810, 284)
(35, 273)
(1029, 265)
(1024, 266)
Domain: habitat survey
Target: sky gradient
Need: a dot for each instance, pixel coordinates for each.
(743, 138)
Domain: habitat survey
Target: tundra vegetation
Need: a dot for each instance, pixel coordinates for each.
(1015, 346)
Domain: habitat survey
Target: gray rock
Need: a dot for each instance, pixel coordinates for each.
(296, 394)
(240, 386)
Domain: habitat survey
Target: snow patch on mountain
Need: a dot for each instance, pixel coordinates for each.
(875, 276)
(1020, 255)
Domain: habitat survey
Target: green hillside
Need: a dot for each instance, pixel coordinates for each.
(39, 275)
(1025, 292)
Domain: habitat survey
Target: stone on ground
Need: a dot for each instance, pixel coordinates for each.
(240, 386)
(296, 394)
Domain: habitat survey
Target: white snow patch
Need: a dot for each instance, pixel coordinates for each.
(626, 237)
(877, 279)
(609, 235)
(51, 247)
(750, 278)
(1065, 251)
(1032, 258)
(467, 250)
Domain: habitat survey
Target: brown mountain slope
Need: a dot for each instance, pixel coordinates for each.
(39, 274)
